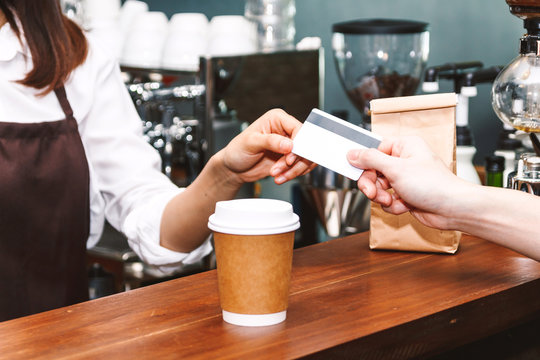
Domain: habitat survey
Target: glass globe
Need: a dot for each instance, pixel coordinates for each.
(379, 58)
(515, 95)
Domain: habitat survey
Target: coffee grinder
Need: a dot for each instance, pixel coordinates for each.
(375, 58)
(516, 94)
(379, 58)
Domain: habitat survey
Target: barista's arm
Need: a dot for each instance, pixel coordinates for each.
(263, 149)
(184, 221)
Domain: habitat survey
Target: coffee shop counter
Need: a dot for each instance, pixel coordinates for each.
(346, 301)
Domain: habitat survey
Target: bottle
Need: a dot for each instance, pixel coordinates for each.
(494, 170)
(465, 151)
(508, 147)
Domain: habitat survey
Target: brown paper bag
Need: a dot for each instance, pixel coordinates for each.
(431, 117)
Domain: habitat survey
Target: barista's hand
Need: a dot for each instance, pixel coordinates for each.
(264, 149)
(420, 181)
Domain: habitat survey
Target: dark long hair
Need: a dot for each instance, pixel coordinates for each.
(57, 44)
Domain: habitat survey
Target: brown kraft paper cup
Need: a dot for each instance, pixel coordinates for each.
(254, 271)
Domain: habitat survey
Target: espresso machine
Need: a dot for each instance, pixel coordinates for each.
(189, 116)
(170, 105)
(374, 58)
(516, 95)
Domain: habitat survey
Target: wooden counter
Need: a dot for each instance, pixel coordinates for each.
(346, 301)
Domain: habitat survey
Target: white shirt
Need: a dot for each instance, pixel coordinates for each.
(126, 184)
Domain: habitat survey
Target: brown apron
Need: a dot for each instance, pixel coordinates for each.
(44, 215)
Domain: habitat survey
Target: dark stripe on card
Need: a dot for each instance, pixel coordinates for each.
(343, 131)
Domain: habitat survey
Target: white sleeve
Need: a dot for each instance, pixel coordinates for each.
(126, 167)
(143, 237)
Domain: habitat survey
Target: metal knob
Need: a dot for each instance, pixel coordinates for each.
(532, 167)
(527, 176)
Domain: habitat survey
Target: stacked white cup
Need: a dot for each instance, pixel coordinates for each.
(231, 35)
(186, 41)
(101, 22)
(145, 40)
(128, 12)
(149, 40)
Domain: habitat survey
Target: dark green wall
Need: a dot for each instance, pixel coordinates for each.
(460, 30)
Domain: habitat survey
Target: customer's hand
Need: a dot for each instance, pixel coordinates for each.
(418, 179)
(264, 149)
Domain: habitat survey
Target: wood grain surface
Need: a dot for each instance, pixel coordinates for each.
(346, 301)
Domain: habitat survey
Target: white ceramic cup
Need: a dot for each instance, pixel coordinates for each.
(101, 22)
(189, 23)
(186, 41)
(100, 10)
(231, 35)
(129, 11)
(145, 40)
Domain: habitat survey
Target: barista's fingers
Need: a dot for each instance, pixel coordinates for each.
(301, 167)
(290, 159)
(310, 167)
(259, 142)
(280, 122)
(279, 167)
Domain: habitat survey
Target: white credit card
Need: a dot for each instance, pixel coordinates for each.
(326, 139)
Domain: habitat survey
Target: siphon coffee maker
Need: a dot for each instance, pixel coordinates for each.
(516, 94)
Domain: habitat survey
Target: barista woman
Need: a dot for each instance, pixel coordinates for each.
(426, 188)
(71, 154)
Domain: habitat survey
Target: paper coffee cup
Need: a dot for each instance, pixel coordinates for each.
(254, 240)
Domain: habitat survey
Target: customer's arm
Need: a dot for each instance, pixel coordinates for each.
(423, 185)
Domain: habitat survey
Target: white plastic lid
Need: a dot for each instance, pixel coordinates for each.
(253, 217)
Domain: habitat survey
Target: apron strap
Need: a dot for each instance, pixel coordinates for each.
(62, 98)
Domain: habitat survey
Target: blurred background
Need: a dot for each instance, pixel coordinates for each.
(199, 71)
(460, 30)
